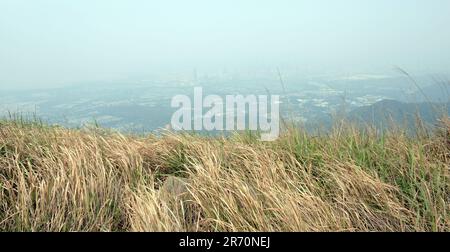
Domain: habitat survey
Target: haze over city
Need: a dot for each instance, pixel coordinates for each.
(119, 63)
(50, 43)
(219, 116)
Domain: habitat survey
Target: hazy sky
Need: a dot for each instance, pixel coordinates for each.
(56, 42)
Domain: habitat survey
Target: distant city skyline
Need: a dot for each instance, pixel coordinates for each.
(52, 43)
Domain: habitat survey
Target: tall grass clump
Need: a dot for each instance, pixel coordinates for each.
(56, 179)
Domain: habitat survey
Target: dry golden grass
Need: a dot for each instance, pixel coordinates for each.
(55, 179)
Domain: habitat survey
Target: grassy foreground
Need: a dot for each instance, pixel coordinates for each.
(56, 179)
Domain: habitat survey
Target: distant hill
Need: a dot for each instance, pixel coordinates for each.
(439, 92)
(384, 112)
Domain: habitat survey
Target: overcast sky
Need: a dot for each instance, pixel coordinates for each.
(56, 42)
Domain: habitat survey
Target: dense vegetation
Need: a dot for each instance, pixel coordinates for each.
(349, 179)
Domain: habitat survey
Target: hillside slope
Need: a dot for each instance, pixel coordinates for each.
(387, 112)
(55, 179)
